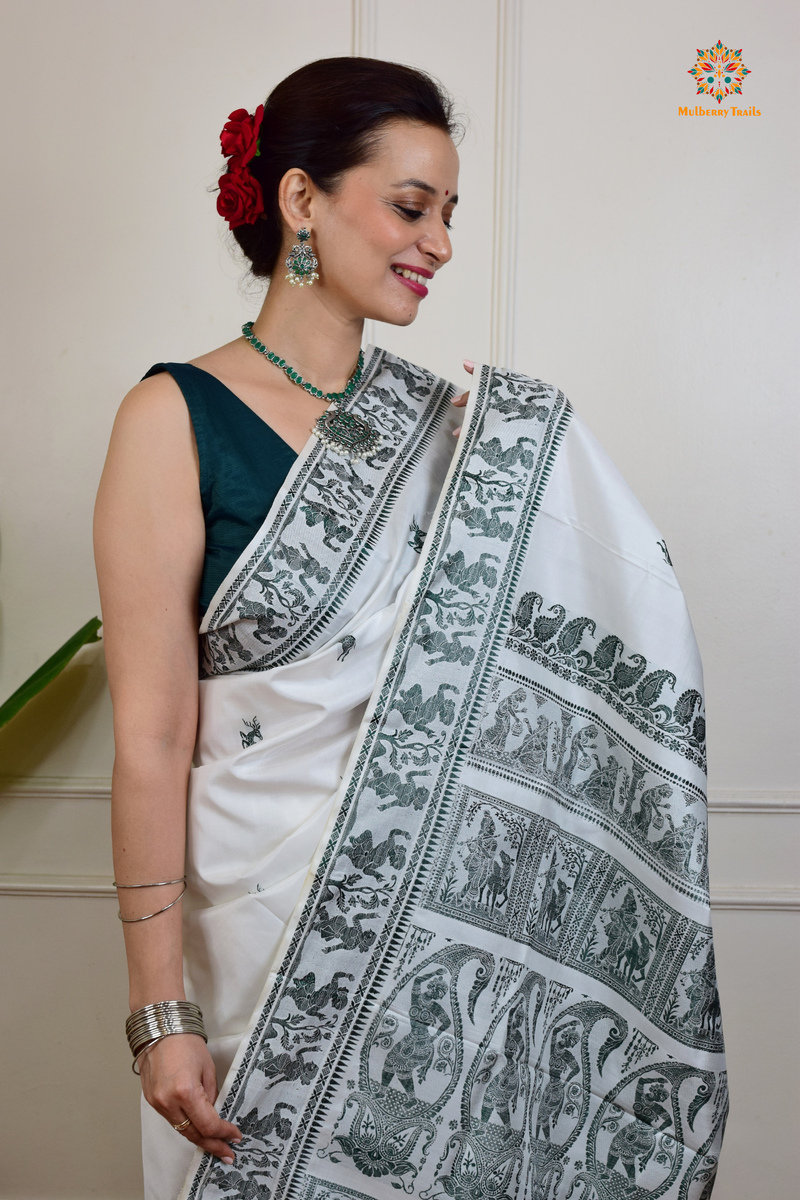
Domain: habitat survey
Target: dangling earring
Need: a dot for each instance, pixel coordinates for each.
(301, 261)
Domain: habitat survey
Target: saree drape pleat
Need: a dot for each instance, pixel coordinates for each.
(484, 957)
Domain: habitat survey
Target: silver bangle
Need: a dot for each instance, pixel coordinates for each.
(133, 920)
(163, 883)
(154, 1022)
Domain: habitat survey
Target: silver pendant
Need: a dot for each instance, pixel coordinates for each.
(345, 433)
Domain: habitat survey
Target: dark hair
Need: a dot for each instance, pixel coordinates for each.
(326, 118)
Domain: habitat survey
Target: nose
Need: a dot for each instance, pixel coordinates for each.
(435, 243)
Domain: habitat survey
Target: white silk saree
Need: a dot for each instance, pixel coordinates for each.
(448, 914)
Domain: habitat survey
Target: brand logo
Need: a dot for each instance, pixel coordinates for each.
(719, 72)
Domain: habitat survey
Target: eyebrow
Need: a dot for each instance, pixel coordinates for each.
(424, 187)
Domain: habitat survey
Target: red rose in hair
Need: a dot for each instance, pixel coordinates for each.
(239, 137)
(240, 200)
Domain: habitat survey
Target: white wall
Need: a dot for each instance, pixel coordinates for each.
(646, 262)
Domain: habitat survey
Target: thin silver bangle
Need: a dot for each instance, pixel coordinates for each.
(163, 883)
(133, 920)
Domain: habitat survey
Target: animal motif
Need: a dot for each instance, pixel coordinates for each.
(303, 564)
(229, 644)
(636, 959)
(347, 643)
(464, 576)
(553, 916)
(493, 453)
(497, 885)
(421, 713)
(308, 998)
(254, 1126)
(345, 936)
(368, 858)
(436, 642)
(519, 407)
(405, 792)
(481, 523)
(334, 530)
(349, 476)
(284, 1066)
(266, 630)
(255, 734)
(417, 381)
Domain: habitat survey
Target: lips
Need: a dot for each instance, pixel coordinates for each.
(412, 277)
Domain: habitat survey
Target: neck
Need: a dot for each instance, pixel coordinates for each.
(303, 327)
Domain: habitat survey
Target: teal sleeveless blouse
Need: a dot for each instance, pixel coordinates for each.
(243, 464)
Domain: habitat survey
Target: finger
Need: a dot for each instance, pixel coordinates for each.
(469, 366)
(206, 1121)
(213, 1146)
(461, 400)
(457, 431)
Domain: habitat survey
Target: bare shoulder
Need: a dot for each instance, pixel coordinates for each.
(154, 404)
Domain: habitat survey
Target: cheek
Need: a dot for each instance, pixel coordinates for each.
(379, 234)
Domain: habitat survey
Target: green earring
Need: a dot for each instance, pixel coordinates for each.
(301, 261)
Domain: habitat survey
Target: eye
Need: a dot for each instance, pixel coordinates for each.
(412, 214)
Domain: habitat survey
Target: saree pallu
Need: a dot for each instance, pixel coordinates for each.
(485, 955)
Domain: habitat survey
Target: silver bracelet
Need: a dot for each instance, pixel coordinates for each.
(133, 920)
(163, 883)
(154, 1022)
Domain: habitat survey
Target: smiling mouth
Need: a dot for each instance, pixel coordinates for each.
(411, 278)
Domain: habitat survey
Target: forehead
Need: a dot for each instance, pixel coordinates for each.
(410, 150)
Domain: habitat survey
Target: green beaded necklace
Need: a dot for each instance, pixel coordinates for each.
(344, 433)
(296, 377)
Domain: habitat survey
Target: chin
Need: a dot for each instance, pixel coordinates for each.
(390, 315)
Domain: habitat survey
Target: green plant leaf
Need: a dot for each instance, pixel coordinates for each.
(48, 670)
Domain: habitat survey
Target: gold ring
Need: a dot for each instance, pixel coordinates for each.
(183, 1125)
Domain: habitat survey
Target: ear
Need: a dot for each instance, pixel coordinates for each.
(296, 192)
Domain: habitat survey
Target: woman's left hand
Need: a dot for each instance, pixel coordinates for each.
(460, 401)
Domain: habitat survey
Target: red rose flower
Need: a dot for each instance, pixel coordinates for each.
(239, 137)
(240, 200)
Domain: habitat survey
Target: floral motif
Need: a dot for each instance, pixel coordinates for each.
(719, 72)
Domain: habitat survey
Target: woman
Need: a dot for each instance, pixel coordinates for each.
(366, 599)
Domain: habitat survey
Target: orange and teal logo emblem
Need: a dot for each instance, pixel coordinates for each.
(719, 72)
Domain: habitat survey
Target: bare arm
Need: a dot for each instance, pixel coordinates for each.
(149, 547)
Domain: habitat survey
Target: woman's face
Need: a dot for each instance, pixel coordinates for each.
(388, 216)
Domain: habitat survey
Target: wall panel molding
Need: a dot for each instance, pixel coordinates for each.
(364, 44)
(763, 803)
(93, 887)
(508, 76)
(722, 800)
(364, 38)
(756, 899)
(55, 788)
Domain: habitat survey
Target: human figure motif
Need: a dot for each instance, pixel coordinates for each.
(554, 912)
(503, 1091)
(479, 861)
(562, 1067)
(506, 722)
(638, 1138)
(414, 1052)
(547, 892)
(600, 787)
(704, 1012)
(532, 750)
(621, 926)
(675, 847)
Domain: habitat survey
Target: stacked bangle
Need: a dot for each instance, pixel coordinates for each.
(154, 1022)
